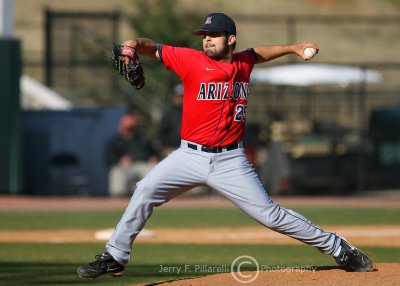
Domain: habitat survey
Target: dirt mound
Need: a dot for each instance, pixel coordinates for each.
(384, 274)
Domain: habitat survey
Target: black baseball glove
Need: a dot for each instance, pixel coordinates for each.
(132, 71)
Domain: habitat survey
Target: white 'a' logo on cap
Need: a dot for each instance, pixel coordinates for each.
(208, 20)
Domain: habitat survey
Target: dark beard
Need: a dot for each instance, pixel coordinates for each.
(221, 55)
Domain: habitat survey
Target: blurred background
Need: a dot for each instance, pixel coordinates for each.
(326, 127)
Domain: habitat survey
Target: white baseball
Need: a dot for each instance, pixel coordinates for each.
(309, 53)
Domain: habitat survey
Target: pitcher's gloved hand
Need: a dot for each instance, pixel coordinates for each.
(126, 61)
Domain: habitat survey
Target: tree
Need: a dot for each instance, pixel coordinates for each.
(164, 22)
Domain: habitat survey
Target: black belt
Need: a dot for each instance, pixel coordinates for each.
(210, 149)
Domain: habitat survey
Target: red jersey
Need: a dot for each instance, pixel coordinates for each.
(215, 94)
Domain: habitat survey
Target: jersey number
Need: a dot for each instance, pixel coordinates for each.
(240, 114)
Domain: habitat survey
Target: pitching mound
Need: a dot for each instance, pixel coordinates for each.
(384, 274)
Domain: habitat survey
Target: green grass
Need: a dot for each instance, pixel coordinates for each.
(55, 264)
(190, 217)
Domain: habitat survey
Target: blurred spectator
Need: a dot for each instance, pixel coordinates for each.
(170, 126)
(130, 156)
(276, 171)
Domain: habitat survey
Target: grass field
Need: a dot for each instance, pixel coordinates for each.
(190, 217)
(45, 264)
(55, 264)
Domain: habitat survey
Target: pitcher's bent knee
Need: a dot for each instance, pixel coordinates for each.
(148, 192)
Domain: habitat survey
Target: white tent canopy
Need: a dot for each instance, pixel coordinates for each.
(35, 95)
(306, 74)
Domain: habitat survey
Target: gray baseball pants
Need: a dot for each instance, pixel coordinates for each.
(232, 176)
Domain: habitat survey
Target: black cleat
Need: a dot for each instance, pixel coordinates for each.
(104, 264)
(352, 259)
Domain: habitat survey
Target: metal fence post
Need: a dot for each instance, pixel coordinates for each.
(48, 47)
(10, 72)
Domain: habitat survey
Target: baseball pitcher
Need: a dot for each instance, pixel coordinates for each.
(216, 91)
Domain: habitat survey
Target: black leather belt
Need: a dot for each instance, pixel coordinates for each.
(210, 149)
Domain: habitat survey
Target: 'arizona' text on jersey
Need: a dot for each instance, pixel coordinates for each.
(215, 94)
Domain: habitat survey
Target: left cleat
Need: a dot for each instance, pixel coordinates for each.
(104, 264)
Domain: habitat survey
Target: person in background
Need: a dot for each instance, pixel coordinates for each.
(170, 125)
(129, 156)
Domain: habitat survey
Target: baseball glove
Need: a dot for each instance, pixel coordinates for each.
(132, 71)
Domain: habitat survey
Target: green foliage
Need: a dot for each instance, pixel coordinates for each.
(163, 22)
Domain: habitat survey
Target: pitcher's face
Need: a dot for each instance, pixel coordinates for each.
(216, 45)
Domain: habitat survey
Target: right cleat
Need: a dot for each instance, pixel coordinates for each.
(352, 259)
